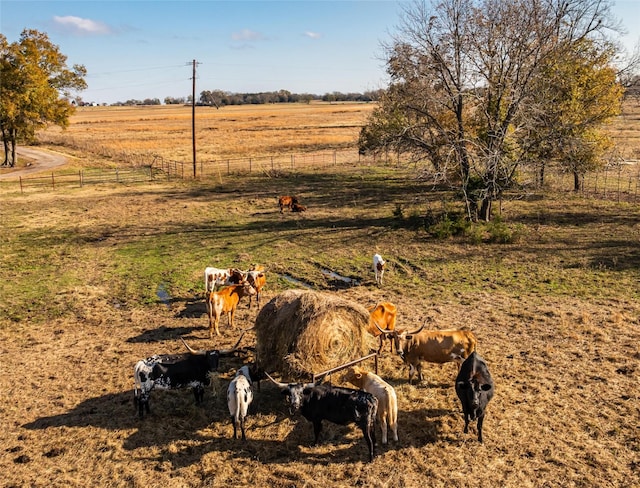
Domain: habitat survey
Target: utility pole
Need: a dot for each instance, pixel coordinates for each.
(193, 118)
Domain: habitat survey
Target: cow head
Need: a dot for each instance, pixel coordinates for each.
(476, 392)
(295, 393)
(400, 338)
(354, 376)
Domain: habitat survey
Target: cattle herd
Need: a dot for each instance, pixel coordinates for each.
(373, 400)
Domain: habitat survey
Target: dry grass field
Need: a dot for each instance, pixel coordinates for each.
(96, 278)
(113, 134)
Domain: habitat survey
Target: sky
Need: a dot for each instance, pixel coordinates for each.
(139, 49)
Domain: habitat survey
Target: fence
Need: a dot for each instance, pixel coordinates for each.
(619, 182)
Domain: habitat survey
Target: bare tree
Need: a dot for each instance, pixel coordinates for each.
(462, 84)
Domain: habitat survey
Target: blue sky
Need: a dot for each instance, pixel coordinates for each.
(141, 49)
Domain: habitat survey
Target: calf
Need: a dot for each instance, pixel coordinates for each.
(226, 301)
(433, 346)
(287, 201)
(172, 371)
(297, 207)
(239, 397)
(384, 392)
(339, 405)
(474, 387)
(382, 317)
(256, 278)
(378, 268)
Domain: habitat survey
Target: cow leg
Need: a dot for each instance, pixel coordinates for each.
(244, 437)
(368, 430)
(466, 422)
(233, 421)
(383, 427)
(317, 428)
(198, 393)
(480, 420)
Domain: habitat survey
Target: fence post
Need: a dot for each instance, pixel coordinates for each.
(249, 165)
(21, 189)
(228, 168)
(117, 176)
(271, 163)
(292, 157)
(80, 178)
(53, 182)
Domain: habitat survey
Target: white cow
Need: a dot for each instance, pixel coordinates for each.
(378, 268)
(239, 397)
(386, 395)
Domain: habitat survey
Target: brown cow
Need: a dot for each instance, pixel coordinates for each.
(384, 316)
(287, 201)
(433, 346)
(297, 207)
(226, 301)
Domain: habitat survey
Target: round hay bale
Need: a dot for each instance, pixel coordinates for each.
(302, 332)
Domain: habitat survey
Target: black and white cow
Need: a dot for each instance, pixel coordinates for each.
(474, 387)
(173, 371)
(318, 402)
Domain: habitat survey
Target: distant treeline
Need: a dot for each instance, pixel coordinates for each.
(219, 98)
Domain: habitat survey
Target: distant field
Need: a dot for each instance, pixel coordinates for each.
(110, 134)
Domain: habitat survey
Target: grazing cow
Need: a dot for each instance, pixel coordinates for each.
(214, 278)
(474, 387)
(433, 346)
(382, 316)
(378, 268)
(287, 201)
(226, 301)
(239, 397)
(173, 371)
(256, 278)
(384, 392)
(297, 207)
(318, 402)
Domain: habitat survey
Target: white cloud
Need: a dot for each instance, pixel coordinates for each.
(78, 25)
(312, 35)
(247, 35)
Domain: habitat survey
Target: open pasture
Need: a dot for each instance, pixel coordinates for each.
(94, 279)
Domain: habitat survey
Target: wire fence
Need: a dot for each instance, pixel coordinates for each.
(619, 182)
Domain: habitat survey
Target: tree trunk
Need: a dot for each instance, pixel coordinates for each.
(541, 174)
(577, 182)
(485, 209)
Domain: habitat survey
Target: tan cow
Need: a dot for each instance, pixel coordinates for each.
(433, 346)
(384, 392)
(226, 301)
(256, 278)
(382, 316)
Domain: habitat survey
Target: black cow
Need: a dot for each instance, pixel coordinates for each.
(336, 404)
(475, 388)
(172, 371)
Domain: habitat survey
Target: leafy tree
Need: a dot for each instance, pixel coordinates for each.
(579, 94)
(36, 85)
(464, 75)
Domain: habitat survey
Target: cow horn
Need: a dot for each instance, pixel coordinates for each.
(417, 330)
(192, 351)
(226, 352)
(382, 330)
(277, 383)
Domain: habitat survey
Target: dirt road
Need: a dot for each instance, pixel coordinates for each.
(42, 161)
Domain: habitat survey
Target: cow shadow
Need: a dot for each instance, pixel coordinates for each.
(164, 333)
